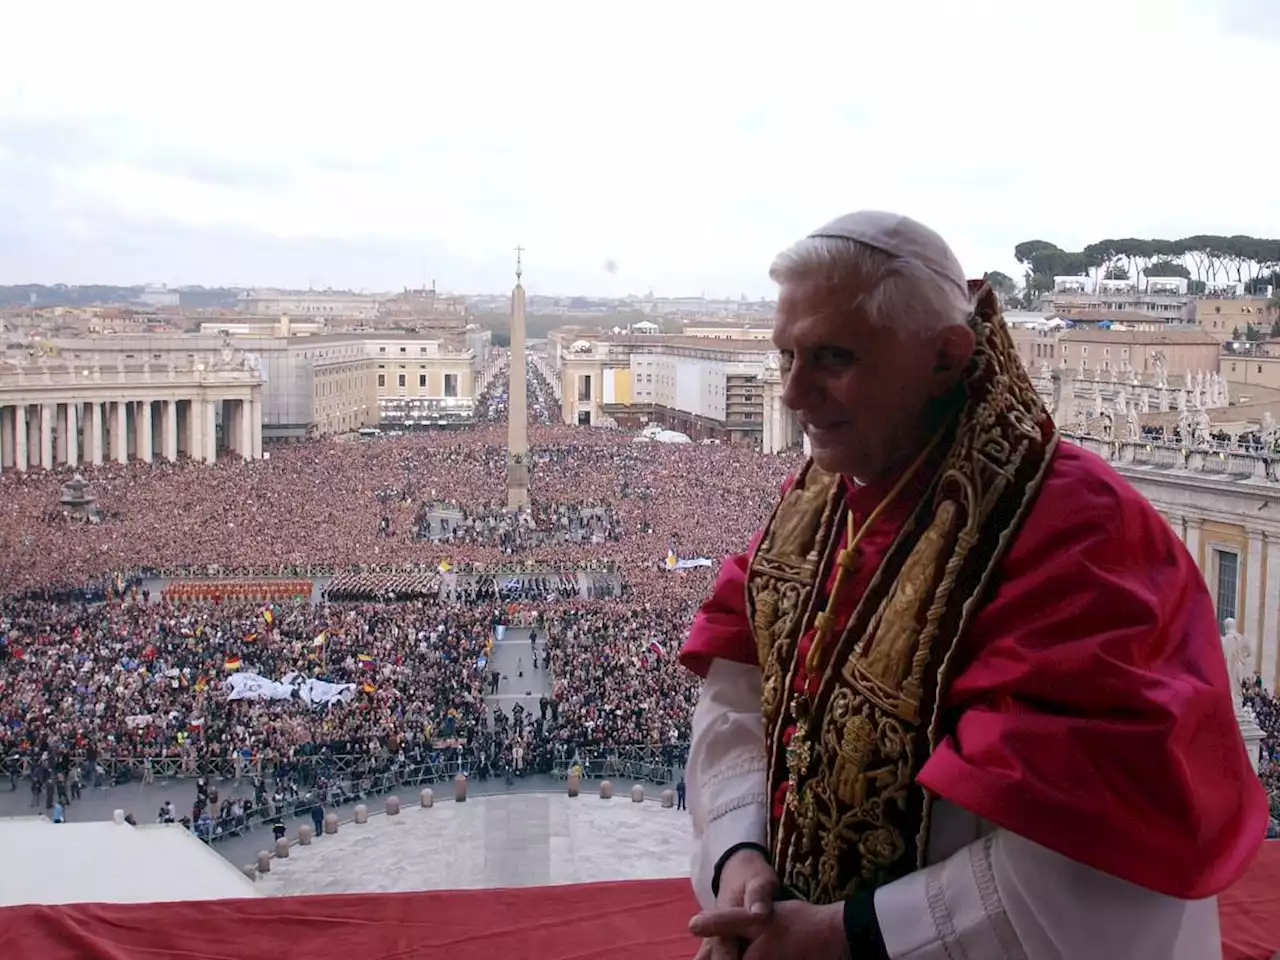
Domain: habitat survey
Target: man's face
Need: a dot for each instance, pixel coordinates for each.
(861, 391)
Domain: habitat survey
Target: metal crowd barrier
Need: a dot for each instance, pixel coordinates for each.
(368, 775)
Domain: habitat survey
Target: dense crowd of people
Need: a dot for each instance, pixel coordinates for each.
(493, 525)
(1266, 710)
(94, 669)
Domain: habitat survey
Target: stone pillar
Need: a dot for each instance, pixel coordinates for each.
(427, 798)
(47, 414)
(393, 806)
(330, 823)
(146, 437)
(637, 793)
(606, 790)
(282, 848)
(244, 437)
(20, 438)
(1193, 543)
(120, 434)
(210, 431)
(668, 799)
(71, 426)
(362, 813)
(305, 835)
(460, 788)
(1253, 598)
(1269, 648)
(255, 420)
(264, 861)
(170, 419)
(195, 430)
(61, 446)
(6, 438)
(575, 784)
(96, 443)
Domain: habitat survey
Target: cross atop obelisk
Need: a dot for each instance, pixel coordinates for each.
(517, 401)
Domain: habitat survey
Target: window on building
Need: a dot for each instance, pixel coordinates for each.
(403, 350)
(584, 418)
(382, 349)
(1227, 567)
(401, 378)
(584, 386)
(422, 380)
(382, 379)
(450, 384)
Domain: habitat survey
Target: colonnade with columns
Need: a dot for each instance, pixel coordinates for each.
(52, 433)
(780, 429)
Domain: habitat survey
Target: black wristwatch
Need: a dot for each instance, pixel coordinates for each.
(862, 928)
(724, 858)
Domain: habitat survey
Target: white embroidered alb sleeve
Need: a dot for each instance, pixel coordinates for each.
(725, 775)
(1006, 898)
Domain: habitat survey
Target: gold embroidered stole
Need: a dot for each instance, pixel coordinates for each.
(854, 817)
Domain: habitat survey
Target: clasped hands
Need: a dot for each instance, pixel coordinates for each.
(746, 923)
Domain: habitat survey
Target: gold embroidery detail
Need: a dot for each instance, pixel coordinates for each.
(792, 534)
(856, 743)
(893, 645)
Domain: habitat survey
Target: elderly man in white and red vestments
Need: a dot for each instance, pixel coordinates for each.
(965, 697)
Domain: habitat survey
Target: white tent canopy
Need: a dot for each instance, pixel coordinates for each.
(656, 434)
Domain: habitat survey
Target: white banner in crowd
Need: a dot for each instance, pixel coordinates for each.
(319, 693)
(689, 564)
(250, 686)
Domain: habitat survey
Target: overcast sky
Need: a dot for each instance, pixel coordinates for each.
(378, 145)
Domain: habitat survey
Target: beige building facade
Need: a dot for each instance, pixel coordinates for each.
(1094, 350)
(419, 381)
(1182, 351)
(320, 384)
(54, 413)
(1257, 371)
(1223, 317)
(710, 389)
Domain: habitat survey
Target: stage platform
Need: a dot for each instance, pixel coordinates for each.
(634, 920)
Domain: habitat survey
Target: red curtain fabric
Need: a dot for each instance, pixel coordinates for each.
(642, 920)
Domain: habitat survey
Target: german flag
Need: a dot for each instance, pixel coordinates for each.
(231, 665)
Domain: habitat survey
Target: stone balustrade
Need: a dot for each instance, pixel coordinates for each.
(1228, 461)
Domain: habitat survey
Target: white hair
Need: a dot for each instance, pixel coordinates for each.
(899, 292)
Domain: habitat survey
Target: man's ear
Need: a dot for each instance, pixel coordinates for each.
(954, 350)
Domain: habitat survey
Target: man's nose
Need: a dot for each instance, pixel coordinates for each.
(797, 386)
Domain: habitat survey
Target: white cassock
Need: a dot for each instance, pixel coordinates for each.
(986, 894)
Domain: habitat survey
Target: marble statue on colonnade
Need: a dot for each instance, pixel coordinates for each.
(1239, 661)
(1239, 657)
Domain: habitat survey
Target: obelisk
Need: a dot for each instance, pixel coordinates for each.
(517, 402)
